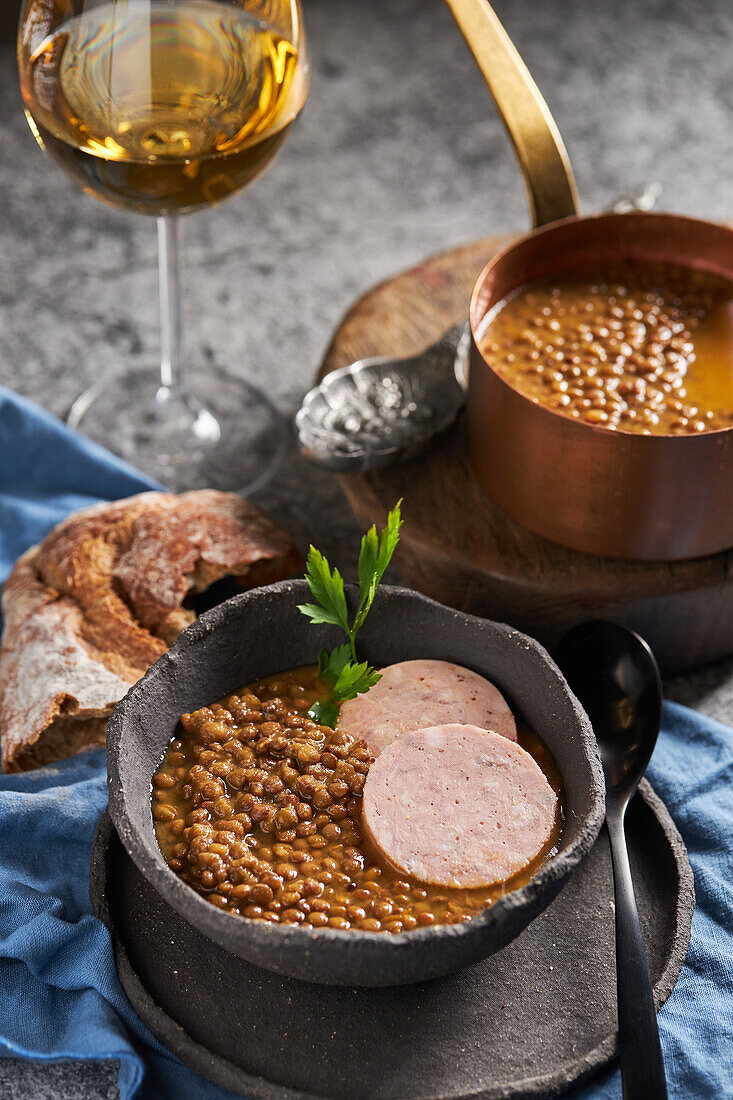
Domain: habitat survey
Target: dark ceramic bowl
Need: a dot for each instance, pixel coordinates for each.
(260, 633)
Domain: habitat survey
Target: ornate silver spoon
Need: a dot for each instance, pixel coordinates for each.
(380, 410)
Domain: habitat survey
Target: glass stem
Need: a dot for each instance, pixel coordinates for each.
(172, 374)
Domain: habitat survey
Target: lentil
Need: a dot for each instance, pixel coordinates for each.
(646, 348)
(281, 841)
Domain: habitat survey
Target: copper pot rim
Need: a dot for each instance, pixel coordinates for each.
(652, 439)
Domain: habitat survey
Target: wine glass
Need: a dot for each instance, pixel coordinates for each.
(162, 107)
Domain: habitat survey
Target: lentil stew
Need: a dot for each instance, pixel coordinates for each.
(258, 809)
(642, 347)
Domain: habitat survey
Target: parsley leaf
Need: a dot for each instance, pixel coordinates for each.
(341, 672)
(327, 589)
(355, 679)
(325, 712)
(374, 557)
(331, 664)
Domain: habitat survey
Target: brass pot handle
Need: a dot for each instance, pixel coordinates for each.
(537, 143)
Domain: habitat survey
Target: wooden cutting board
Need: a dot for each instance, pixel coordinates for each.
(459, 548)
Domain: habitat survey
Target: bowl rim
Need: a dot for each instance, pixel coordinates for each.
(239, 934)
(548, 230)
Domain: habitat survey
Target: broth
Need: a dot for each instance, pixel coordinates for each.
(640, 347)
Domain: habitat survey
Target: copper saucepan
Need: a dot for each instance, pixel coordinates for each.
(607, 492)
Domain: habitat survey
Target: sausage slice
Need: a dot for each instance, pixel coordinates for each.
(415, 694)
(458, 806)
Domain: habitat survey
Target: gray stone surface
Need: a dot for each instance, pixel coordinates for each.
(399, 153)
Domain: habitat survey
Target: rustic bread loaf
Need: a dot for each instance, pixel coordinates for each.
(102, 597)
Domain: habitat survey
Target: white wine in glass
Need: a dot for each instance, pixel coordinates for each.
(161, 107)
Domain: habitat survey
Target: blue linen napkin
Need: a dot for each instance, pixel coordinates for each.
(59, 993)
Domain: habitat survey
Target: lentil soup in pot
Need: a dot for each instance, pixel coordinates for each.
(259, 809)
(642, 346)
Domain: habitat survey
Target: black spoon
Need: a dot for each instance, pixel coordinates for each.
(615, 676)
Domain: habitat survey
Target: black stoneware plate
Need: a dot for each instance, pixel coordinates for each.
(529, 1021)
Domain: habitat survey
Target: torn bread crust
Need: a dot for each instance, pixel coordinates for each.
(53, 690)
(93, 606)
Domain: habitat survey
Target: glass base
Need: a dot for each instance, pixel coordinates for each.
(223, 433)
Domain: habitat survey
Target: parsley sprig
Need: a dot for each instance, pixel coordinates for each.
(341, 672)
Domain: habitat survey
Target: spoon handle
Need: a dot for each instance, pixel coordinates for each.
(642, 1066)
